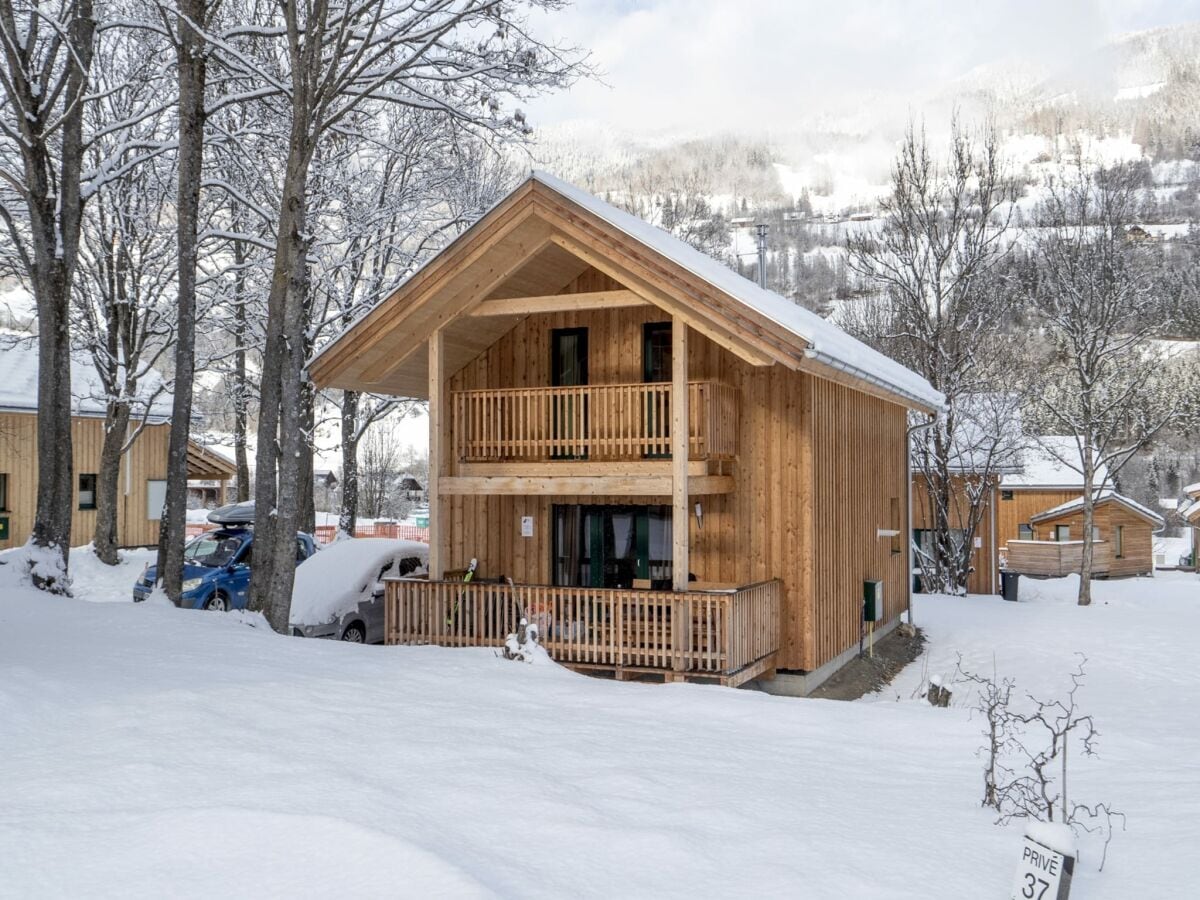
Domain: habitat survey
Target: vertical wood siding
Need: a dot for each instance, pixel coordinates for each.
(147, 460)
(818, 468)
(984, 577)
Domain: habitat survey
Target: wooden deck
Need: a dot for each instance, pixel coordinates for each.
(597, 421)
(725, 636)
(1055, 558)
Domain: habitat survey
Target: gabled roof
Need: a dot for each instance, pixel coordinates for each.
(1102, 498)
(1191, 513)
(19, 384)
(545, 233)
(1051, 461)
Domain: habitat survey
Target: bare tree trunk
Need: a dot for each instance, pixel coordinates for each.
(108, 478)
(306, 476)
(1089, 512)
(348, 515)
(276, 487)
(192, 76)
(241, 386)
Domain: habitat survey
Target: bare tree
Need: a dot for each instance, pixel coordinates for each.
(47, 56)
(941, 313)
(334, 65)
(187, 25)
(1096, 298)
(124, 320)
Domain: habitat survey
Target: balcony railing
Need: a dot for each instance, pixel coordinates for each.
(601, 421)
(730, 636)
(1055, 557)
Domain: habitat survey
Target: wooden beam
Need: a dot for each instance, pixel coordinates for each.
(673, 304)
(600, 485)
(706, 485)
(436, 388)
(526, 306)
(680, 520)
(576, 468)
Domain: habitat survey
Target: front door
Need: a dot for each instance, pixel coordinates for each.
(569, 368)
(612, 546)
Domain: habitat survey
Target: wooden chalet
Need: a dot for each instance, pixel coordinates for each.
(1190, 513)
(679, 472)
(142, 482)
(1041, 476)
(1123, 539)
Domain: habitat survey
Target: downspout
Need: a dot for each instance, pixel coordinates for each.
(912, 429)
(994, 562)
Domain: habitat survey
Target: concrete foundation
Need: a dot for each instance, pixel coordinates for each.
(801, 684)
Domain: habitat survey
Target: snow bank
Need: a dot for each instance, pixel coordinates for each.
(334, 580)
(1140, 685)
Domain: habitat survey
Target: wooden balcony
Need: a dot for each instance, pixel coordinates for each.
(595, 422)
(1055, 558)
(728, 636)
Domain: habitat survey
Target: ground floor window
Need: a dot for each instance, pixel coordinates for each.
(1025, 532)
(1062, 532)
(1119, 541)
(611, 546)
(87, 491)
(156, 496)
(3, 492)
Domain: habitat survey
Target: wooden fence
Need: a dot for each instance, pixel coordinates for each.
(1055, 558)
(730, 636)
(601, 421)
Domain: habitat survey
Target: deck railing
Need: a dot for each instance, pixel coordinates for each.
(597, 421)
(1055, 557)
(706, 633)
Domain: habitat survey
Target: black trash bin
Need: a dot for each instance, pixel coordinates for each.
(1008, 585)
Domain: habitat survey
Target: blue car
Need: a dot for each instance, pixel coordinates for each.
(216, 569)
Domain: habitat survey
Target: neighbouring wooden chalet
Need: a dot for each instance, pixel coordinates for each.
(680, 472)
(1123, 534)
(1040, 476)
(1190, 513)
(142, 482)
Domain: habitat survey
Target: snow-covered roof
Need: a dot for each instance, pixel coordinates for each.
(1101, 497)
(19, 384)
(1168, 503)
(826, 342)
(1050, 461)
(1191, 512)
(1192, 490)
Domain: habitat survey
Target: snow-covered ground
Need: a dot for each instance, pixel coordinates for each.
(151, 751)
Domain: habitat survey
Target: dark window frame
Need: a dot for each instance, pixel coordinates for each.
(92, 490)
(4, 492)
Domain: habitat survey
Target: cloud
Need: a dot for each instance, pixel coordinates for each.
(765, 65)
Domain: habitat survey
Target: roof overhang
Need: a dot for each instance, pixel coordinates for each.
(532, 244)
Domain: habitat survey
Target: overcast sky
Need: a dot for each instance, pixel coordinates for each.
(718, 64)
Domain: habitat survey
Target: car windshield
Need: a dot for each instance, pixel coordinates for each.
(212, 550)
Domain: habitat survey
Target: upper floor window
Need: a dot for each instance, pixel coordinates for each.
(656, 351)
(568, 357)
(3, 491)
(87, 491)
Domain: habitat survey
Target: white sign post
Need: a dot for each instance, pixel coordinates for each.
(1043, 874)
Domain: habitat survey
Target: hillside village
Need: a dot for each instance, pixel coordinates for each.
(392, 482)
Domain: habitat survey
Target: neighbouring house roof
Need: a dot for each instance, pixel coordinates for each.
(1170, 503)
(1193, 490)
(19, 384)
(547, 216)
(1191, 513)
(209, 463)
(1102, 497)
(1050, 461)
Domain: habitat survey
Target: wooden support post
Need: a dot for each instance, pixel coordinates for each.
(437, 365)
(680, 518)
